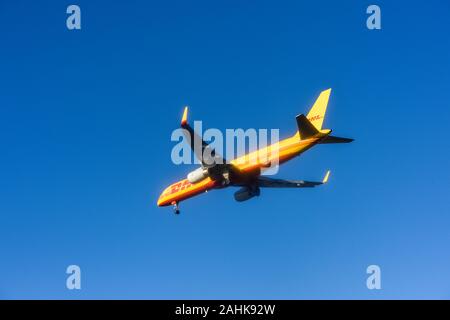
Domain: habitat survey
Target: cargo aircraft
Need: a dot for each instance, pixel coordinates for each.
(246, 171)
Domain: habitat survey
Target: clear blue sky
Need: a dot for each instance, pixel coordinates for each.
(85, 124)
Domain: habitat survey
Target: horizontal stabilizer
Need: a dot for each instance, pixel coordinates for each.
(333, 139)
(305, 128)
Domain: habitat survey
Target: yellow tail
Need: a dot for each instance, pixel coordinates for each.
(317, 112)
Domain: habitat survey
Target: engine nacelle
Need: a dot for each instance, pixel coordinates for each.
(197, 175)
(246, 193)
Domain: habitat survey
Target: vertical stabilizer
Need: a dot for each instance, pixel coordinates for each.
(317, 112)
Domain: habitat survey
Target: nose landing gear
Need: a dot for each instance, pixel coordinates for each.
(176, 209)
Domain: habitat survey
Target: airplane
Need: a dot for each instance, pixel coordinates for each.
(244, 172)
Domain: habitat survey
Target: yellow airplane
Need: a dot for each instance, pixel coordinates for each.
(245, 171)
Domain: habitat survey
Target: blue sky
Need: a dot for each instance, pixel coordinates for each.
(85, 124)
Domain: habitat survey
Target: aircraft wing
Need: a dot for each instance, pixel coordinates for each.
(202, 150)
(266, 182)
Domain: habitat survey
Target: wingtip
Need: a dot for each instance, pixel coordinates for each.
(327, 91)
(327, 175)
(184, 118)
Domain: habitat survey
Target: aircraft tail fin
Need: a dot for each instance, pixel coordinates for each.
(317, 112)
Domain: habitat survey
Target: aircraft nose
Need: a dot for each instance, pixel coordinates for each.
(162, 201)
(159, 202)
(165, 198)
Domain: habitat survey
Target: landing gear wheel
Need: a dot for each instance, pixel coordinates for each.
(226, 179)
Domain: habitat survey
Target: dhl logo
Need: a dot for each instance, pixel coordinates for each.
(179, 186)
(317, 117)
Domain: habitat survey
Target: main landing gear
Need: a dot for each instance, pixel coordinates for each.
(176, 209)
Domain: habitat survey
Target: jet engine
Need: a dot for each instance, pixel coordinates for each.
(197, 175)
(246, 193)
